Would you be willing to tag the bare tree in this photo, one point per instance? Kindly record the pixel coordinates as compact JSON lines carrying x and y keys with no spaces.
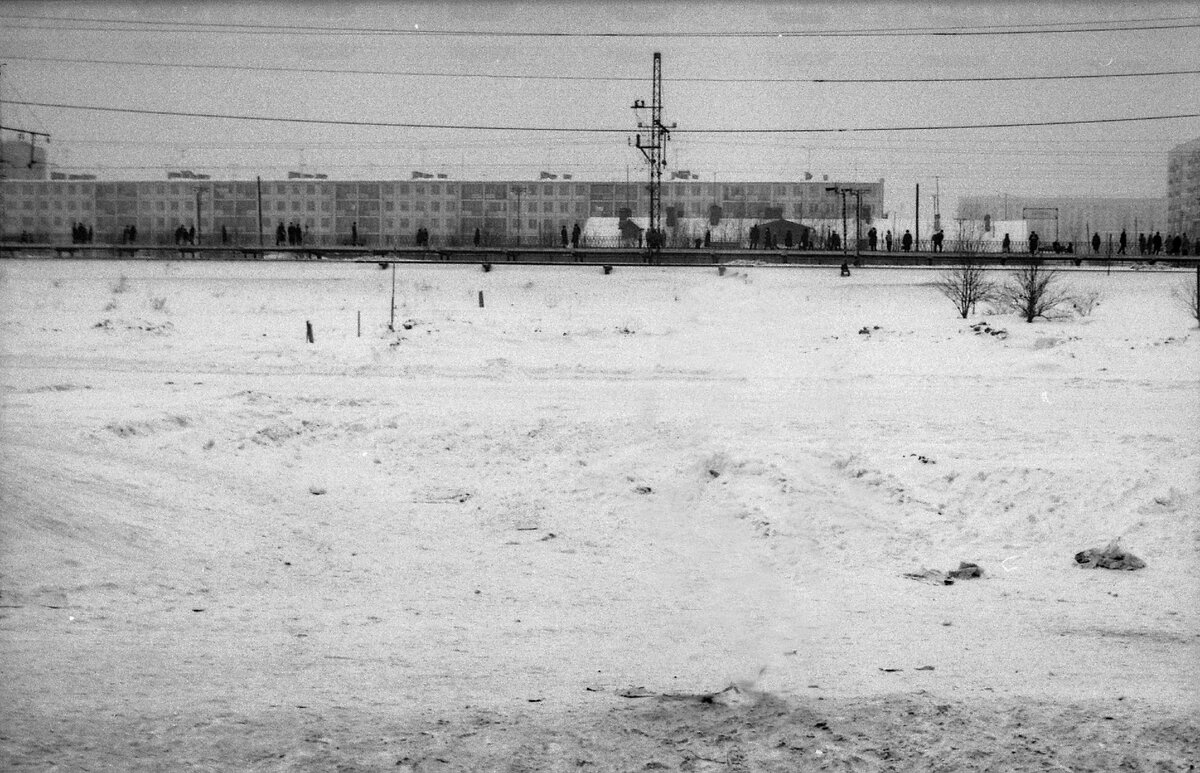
{"x":965,"y":286}
{"x":1187,"y":295}
{"x":1034,"y":291}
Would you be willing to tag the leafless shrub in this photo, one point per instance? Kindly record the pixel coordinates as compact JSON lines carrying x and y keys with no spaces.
{"x":1034,"y":291}
{"x":965,"y":286}
{"x":158,"y":304}
{"x":121,"y":286}
{"x":1086,"y":303}
{"x":1187,"y":297}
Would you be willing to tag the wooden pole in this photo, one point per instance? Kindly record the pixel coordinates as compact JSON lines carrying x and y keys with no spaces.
{"x":360,"y":324}
{"x":308,"y":331}
{"x":260,"y":231}
{"x":917,"y":226}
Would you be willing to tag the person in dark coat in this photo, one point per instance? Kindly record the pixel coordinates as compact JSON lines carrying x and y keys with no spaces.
{"x":280,"y":234}
{"x":478,"y":237}
{"x":872,"y":238}
{"x":576,"y":232}
{"x":787,"y":239}
{"x":1006,"y":245}
{"x":1157,"y":243}
{"x":565,"y":239}
{"x":1095,"y":242}
{"x":1033,"y":242}
{"x":707,"y":237}
{"x":1121,"y":244}
{"x":906,"y":242}
{"x":887,"y":241}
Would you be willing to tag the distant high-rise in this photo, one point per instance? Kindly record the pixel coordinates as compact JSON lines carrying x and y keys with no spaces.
{"x":1183,"y":188}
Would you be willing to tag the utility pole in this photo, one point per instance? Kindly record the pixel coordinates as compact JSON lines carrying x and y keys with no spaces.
{"x":857,"y":194}
{"x":260,"y":231}
{"x":518,"y":189}
{"x":199,"y":191}
{"x":655,"y":151}
{"x":917,"y":226}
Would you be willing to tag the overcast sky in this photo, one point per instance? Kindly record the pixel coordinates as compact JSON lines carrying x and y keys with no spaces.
{"x":421,"y":77}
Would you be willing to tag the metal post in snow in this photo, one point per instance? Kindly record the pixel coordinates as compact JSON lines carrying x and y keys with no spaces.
{"x":392,"y":318}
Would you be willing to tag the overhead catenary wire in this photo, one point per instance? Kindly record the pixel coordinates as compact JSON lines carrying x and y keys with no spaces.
{"x":171,"y":26}
{"x":590,"y":78}
{"x":599,"y":130}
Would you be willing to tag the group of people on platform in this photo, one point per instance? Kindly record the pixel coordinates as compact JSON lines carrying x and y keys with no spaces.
{"x":1174,"y":244}
{"x":81,"y":234}
{"x":576,"y":233}
{"x":293,"y":234}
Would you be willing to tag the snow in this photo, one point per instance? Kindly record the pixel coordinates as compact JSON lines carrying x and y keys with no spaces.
{"x":660,"y":478}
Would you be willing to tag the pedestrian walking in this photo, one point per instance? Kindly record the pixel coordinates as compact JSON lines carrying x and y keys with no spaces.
{"x":1121,"y":243}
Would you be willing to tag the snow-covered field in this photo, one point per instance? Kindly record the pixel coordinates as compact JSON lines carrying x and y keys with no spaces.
{"x":465,"y":545}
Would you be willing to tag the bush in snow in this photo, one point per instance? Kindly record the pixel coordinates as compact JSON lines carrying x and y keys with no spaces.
{"x":1187,"y":296}
{"x":1034,"y":291}
{"x":965,"y":286}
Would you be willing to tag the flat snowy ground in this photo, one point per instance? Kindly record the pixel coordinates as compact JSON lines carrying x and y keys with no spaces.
{"x":465,"y":545}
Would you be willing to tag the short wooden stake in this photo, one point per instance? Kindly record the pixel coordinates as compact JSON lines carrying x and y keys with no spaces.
{"x":360,"y":324}
{"x":308,"y":331}
{"x":481,"y":299}
{"x":608,"y":269}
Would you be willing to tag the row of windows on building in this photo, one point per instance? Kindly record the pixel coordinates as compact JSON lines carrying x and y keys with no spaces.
{"x":631,"y":191}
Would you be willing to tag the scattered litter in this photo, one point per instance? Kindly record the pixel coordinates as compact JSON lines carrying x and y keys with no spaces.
{"x":636,"y":692}
{"x":983,"y":328}
{"x":644,"y":490}
{"x":1112,"y":557}
{"x":891,"y":670}
{"x":965,"y":571}
{"x":924,"y":459}
{"x":925,"y":668}
{"x":316,"y":490}
{"x":549,"y":536}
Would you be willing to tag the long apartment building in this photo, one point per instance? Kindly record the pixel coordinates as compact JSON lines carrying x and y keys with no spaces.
{"x":389,"y":212}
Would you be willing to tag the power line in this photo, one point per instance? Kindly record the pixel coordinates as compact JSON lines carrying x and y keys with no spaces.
{"x":580,"y":130}
{"x":1123,"y":25}
{"x":604,"y":78}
